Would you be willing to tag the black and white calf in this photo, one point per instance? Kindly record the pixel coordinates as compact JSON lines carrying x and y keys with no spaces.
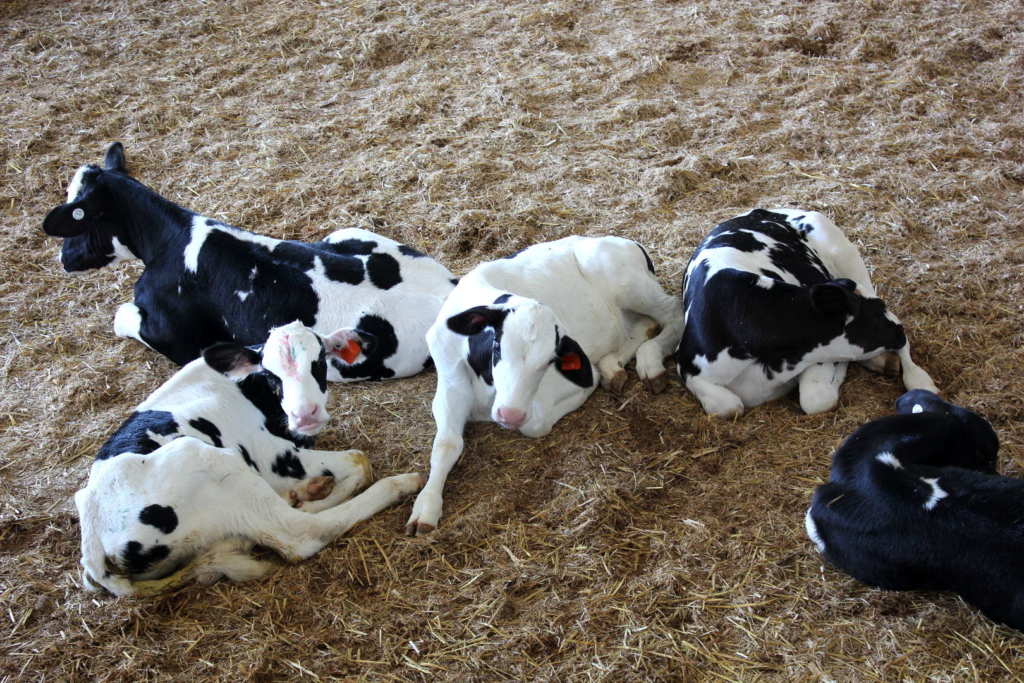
{"x":780,"y":298}
{"x":207,"y":282}
{"x":915,"y":503}
{"x":216,"y":460}
{"x":523,"y":340}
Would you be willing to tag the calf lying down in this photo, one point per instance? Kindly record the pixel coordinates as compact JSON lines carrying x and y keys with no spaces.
{"x":216,"y":461}
{"x":915,"y":503}
{"x":780,"y":298}
{"x":522,"y":341}
{"x":206,"y":281}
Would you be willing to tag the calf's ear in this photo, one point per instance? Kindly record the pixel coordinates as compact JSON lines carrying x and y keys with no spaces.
{"x":114,"y":160}
{"x":348,"y":342}
{"x":233,"y":360}
{"x":474,"y":320}
{"x":834,"y":300}
{"x":69,"y":220}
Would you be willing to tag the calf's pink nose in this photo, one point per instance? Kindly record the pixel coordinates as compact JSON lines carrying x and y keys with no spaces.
{"x":510,"y":418}
{"x":307,"y":416}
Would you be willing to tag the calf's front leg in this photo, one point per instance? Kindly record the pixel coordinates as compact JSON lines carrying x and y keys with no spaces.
{"x":819,"y":386}
{"x":451,"y":412}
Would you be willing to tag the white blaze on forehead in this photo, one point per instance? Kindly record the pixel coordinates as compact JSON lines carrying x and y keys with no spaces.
{"x":917,"y":408}
{"x":76,"y":184}
{"x":936,"y":495}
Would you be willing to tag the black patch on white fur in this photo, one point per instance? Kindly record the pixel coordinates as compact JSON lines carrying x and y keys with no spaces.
{"x":287,"y":464}
{"x":136,"y":561}
{"x":133,"y":435}
{"x":201,"y":424}
{"x":163,"y":517}
{"x":383,"y":270}
{"x":409,"y":251}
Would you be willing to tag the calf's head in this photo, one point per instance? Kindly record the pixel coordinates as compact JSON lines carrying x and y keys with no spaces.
{"x":293,"y":363}
{"x":980,"y":443}
{"x":513,"y":343}
{"x":93,"y":222}
{"x":864,"y":318}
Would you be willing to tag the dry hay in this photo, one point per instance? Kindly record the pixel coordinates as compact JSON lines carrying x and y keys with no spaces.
{"x":640,"y":540}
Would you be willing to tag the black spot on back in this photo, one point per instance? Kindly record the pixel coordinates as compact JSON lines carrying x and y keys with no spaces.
{"x":502,"y":299}
{"x":204,"y":426}
{"x":409,"y":251}
{"x":351,"y":247}
{"x":163,"y":517}
{"x":453,"y":280}
{"x":383,"y":270}
{"x":136,"y":561}
{"x":133,"y":435}
{"x":247,"y":458}
{"x":287,"y":464}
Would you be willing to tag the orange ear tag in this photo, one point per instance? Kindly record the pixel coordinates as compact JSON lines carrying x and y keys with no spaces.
{"x":570,"y":361}
{"x":350,"y":352}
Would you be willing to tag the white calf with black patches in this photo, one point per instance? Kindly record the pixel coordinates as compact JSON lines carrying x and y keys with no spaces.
{"x":522,"y":341}
{"x":779,"y":299}
{"x":207,"y":282}
{"x":218,"y":459}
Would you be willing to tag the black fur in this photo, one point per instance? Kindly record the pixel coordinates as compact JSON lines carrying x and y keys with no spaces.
{"x":873,"y":519}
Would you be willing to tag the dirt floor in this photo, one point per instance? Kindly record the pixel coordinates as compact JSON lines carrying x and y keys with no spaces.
{"x":639,"y":541}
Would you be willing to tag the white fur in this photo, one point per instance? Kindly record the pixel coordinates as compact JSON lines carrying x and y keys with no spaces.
{"x":596,"y":290}
{"x":937,"y":493}
{"x":889,"y":459}
{"x":127,"y":322}
{"x":812,"y":531}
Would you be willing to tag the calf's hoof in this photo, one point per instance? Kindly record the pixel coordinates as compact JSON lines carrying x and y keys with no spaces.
{"x":314,"y":488}
{"x":657,"y":384}
{"x":617,"y":383}
{"x":887,"y":363}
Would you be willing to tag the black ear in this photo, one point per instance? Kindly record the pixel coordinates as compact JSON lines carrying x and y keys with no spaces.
{"x":233,"y":360}
{"x":573,"y":363}
{"x":474,"y":320}
{"x":114,"y":160}
{"x":834,"y":300}
{"x":69,"y":220}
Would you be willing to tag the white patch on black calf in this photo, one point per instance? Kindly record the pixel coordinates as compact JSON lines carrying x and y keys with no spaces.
{"x":936,"y":495}
{"x":888,"y":458}
{"x":917,"y":408}
{"x":812,"y":532}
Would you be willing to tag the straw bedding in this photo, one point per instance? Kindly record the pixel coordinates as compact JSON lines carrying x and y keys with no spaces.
{"x":641,"y":540}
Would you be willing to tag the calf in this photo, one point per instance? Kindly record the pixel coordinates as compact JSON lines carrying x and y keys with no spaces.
{"x":776,"y":299}
{"x":207,"y":282}
{"x":522,"y":341}
{"x":915,"y":503}
{"x":216,"y":460}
